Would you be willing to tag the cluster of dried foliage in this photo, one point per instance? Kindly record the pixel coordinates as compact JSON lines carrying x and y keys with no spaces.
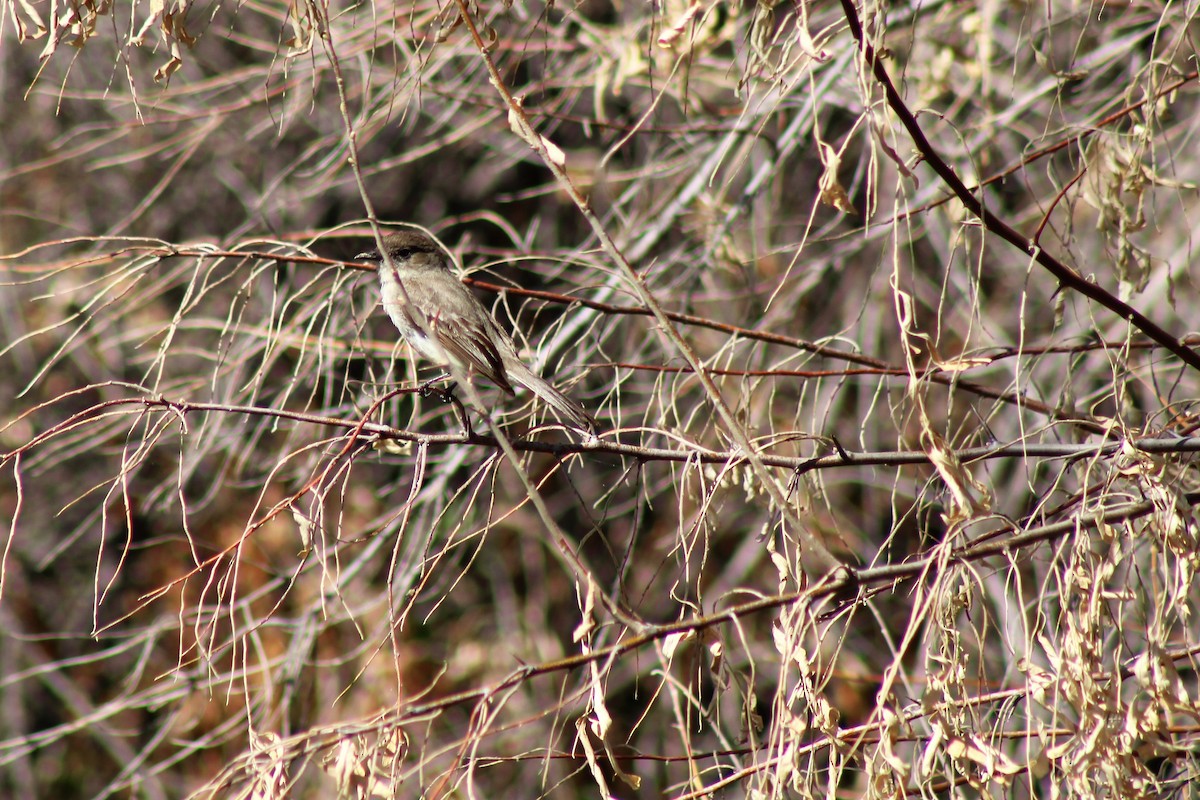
{"x":884,"y":310}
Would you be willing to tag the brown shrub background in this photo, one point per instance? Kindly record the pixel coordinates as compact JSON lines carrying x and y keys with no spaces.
{"x":215,"y":583}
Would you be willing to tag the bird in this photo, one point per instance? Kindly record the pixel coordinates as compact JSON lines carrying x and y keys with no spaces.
{"x":445,"y":323}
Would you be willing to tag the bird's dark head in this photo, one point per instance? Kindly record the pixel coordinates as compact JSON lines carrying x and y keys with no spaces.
{"x":408,"y":250}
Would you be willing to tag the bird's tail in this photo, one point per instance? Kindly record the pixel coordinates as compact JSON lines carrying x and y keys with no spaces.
{"x":570,"y":411}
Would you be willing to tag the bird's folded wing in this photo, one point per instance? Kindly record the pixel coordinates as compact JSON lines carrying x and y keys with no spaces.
{"x":471,"y":347}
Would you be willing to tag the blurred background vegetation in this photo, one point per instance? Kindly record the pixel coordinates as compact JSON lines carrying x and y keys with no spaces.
{"x":238,"y":562}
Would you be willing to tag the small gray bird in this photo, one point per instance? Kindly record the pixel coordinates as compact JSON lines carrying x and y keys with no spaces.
{"x":464,"y":332}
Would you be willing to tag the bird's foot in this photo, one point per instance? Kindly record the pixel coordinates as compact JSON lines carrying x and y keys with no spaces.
{"x":446,"y":394}
{"x":427,"y":389}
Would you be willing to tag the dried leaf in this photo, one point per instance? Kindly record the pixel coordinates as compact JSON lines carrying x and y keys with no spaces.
{"x":672,"y":642}
{"x":890,"y":152}
{"x":588,"y":622}
{"x":996,"y":766}
{"x":671,"y":34}
{"x":361,"y":768}
{"x":305,"y":524}
{"x":168,"y":69}
{"x":304,"y":31}
{"x":556,"y":155}
{"x":832,"y":192}
{"x":31,"y":27}
{"x":962,"y":364}
{"x":962,"y":484}
{"x":589,"y":754}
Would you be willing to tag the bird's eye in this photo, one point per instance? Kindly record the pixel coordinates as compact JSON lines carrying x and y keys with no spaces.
{"x":403,"y":252}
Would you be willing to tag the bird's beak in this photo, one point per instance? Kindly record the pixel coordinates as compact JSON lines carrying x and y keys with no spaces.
{"x":369,"y":256}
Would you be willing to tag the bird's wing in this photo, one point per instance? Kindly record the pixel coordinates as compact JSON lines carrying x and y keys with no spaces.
{"x":469,"y":345}
{"x":461,"y":335}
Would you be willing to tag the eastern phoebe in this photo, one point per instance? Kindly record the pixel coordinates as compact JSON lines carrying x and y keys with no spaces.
{"x":450,"y":324}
